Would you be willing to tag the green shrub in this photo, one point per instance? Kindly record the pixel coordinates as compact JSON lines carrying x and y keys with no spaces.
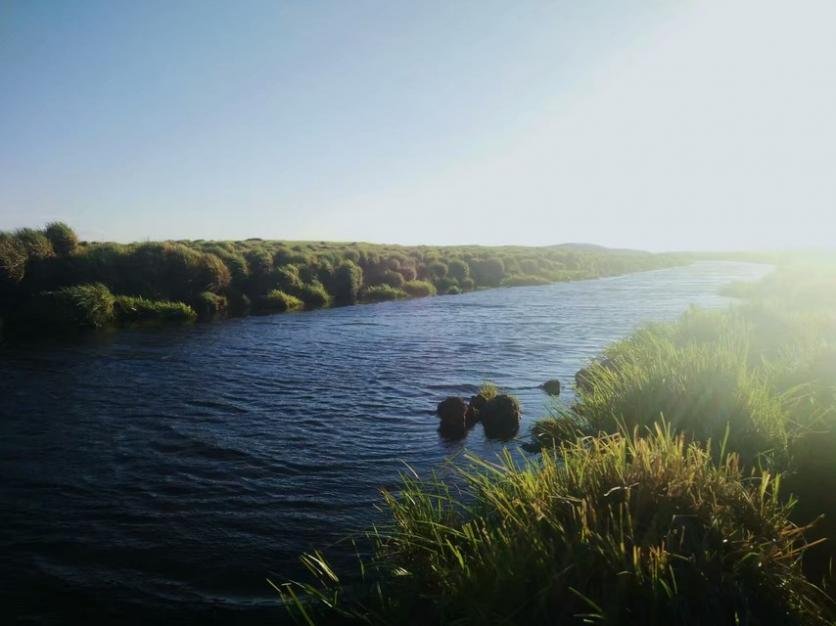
{"x":437,"y":270}
{"x":348,"y":280}
{"x":36,"y":243}
{"x":381,"y":293}
{"x":287,"y":278}
{"x":467,"y":284}
{"x":63,"y":239}
{"x":458,"y":269}
{"x":238,"y":271}
{"x":313,"y":295}
{"x":453,"y":291}
{"x":443,"y":285}
{"x":488,"y":272}
{"x":210,"y":305}
{"x":279,"y":301}
{"x":392,"y":278}
{"x":611,"y":530}
{"x":408,"y":273}
{"x":80,"y":306}
{"x":261,"y":277}
{"x":130,"y":309}
{"x":419,"y":288}
{"x":521,"y":280}
{"x":12,"y":260}
{"x":239,"y":303}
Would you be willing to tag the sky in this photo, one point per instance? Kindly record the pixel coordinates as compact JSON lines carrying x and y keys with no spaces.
{"x":661,"y":125}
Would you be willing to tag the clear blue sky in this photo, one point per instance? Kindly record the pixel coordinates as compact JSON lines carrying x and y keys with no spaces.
{"x":654,"y":124}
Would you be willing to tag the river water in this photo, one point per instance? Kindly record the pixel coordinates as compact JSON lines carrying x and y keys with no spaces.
{"x":162,"y":475}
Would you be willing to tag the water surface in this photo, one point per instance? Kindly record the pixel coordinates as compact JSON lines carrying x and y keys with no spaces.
{"x":163,"y":475}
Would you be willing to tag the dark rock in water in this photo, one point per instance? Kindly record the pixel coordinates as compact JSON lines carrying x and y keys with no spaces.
{"x":474,"y":409}
{"x":452,"y":413}
{"x":501,"y":417}
{"x":551,"y":387}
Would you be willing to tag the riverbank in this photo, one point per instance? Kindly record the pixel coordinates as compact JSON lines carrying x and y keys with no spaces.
{"x":52,"y":282}
{"x":684,"y":485}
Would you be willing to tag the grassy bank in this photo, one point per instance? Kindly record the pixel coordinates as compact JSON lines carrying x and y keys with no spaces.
{"x":185,"y":280}
{"x":693,"y":481}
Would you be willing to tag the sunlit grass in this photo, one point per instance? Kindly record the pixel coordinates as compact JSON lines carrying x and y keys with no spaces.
{"x":611,"y":529}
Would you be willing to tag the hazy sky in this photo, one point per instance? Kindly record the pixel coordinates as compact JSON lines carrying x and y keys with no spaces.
{"x":665,"y":124}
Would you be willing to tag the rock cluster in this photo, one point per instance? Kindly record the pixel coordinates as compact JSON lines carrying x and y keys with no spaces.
{"x":500,"y":415}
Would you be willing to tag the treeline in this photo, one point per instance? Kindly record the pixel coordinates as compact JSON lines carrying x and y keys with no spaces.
{"x":692,"y":481}
{"x":49,"y":279}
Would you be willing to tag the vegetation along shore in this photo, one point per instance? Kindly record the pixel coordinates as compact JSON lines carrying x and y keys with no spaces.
{"x":51,"y":281}
{"x":691,"y":481}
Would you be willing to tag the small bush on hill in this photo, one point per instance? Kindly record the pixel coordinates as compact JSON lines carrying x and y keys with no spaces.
{"x":279,"y":301}
{"x":313,"y":295}
{"x":348,"y":280}
{"x":521,"y":280}
{"x":381,"y":293}
{"x":12,"y":260}
{"x":210,"y":305}
{"x":419,"y":288}
{"x":443,"y":285}
{"x":63,"y":239}
{"x":36,"y":243}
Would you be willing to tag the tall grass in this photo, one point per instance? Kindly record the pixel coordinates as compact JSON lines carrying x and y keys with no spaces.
{"x":131,"y":310}
{"x":618,"y":529}
{"x":761,"y":378}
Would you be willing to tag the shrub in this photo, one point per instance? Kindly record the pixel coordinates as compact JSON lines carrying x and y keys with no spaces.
{"x":261,"y":278}
{"x":210,"y":305}
{"x":239,"y":302}
{"x":80,"y":306}
{"x":237,"y":266}
{"x":419,"y":288}
{"x":348,"y":280}
{"x":12,"y":260}
{"x":130,"y":309}
{"x":279,"y":301}
{"x":453,"y":291}
{"x":458,"y":269}
{"x":287,"y":278}
{"x":313,"y":295}
{"x":63,"y":239}
{"x":467,"y":284}
{"x":408,"y":273}
{"x":488,"y":272}
{"x":443,"y":285}
{"x":213,"y":274}
{"x":381,"y":293}
{"x":36,"y":243}
{"x":521,"y":280}
{"x":613,"y":530}
{"x":392,"y":278}
{"x":437,"y":269}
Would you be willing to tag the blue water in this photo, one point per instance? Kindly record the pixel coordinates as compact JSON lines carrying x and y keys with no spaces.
{"x":162,"y":476}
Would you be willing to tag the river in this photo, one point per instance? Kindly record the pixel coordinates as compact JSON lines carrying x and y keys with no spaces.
{"x":162,"y":475}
